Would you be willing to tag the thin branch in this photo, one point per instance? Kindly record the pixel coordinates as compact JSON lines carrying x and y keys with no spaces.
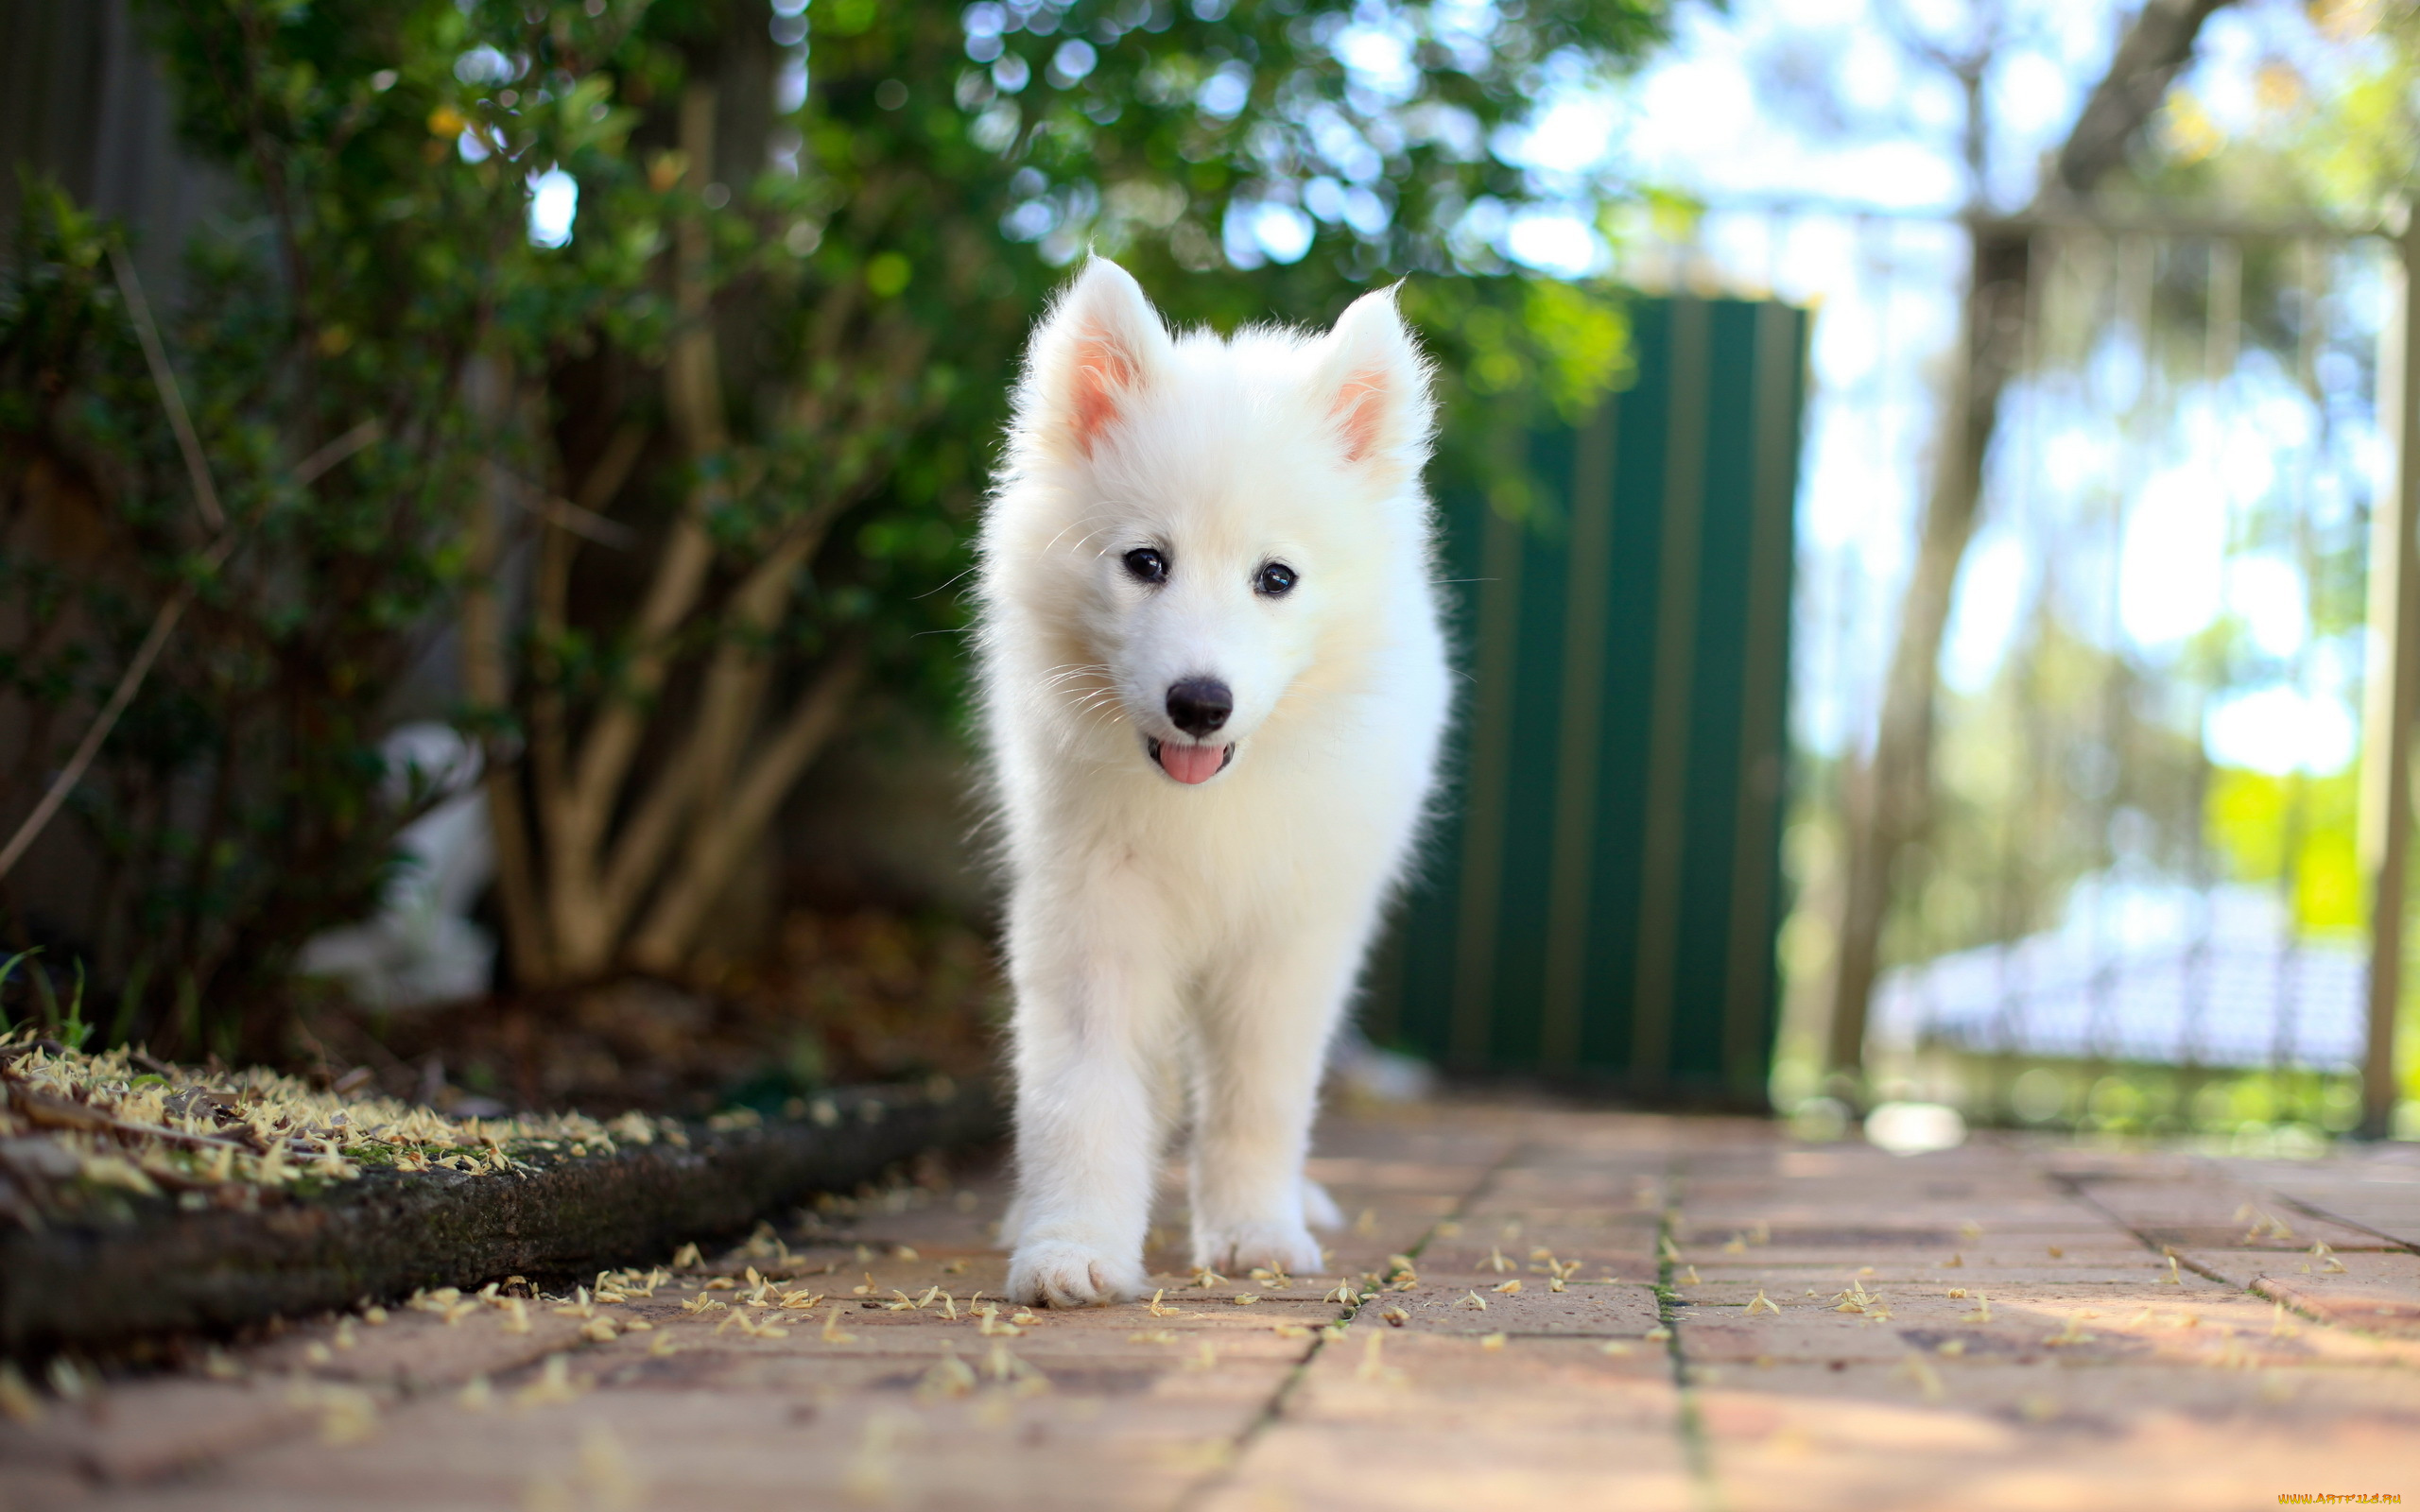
{"x":205,"y":493}
{"x":486,"y":680}
{"x":556,"y":549}
{"x":727,"y":708}
{"x":325,"y":461}
{"x":565,"y":515}
{"x":129,"y":683}
{"x":723,"y":837}
{"x":613,"y":469}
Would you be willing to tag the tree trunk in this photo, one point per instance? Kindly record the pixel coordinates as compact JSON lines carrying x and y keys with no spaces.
{"x":1889,"y":797}
{"x":739,"y":812}
{"x":611,"y":852}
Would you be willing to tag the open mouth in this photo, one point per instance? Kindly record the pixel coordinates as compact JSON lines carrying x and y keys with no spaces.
{"x":1191,"y":763}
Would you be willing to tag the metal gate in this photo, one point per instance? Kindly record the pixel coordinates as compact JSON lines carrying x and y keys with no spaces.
{"x":1598,"y":903}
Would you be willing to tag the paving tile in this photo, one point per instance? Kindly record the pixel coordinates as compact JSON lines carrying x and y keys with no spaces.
{"x":2093,"y":1381}
{"x":2213,"y":1327}
{"x":286,"y":1388}
{"x":1375,"y":1175}
{"x":681,"y":1448}
{"x":2389,"y":1212}
{"x":2194,"y":1198}
{"x":1365,"y":1468}
{"x":143,"y":1429}
{"x":1498,"y":1263}
{"x":418,"y":1351}
{"x":1735,"y":1283}
{"x":1598,"y":1312}
{"x":38,"y":1488}
{"x":2018,"y":1320}
{"x":2378,"y":1293}
{"x":1995,"y":1435}
{"x":2277,"y":1227}
{"x":1831,"y":1220}
{"x":2244,"y":1266}
{"x":1438,"y":1423}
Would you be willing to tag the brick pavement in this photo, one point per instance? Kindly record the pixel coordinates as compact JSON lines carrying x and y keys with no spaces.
{"x":1743,"y":1323}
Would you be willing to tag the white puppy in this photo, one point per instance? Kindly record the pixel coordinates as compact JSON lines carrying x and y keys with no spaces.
{"x":1213,"y":688}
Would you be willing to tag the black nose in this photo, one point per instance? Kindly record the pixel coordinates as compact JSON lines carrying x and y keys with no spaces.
{"x":1200,"y":705}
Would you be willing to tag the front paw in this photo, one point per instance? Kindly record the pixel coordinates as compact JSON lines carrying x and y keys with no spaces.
{"x":1063,"y":1273}
{"x":1236,"y":1248}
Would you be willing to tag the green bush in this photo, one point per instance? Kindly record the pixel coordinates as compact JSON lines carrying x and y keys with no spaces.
{"x":688,"y":480}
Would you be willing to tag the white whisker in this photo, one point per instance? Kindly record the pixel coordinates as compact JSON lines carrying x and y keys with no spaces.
{"x":1072,"y":525}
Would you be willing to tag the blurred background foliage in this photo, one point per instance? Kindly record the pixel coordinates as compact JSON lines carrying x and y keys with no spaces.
{"x":619,"y":380}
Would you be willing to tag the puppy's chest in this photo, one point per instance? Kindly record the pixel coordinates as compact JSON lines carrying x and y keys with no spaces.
{"x":1252,"y":845}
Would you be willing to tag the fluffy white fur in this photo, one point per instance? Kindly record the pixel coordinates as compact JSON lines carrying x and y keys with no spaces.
{"x":1187,"y":948}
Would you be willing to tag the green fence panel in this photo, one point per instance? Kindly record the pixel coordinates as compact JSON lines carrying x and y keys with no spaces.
{"x":1600,"y":900}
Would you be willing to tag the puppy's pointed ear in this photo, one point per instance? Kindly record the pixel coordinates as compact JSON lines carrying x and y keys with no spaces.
{"x":1099,"y":348}
{"x":1373,"y":383}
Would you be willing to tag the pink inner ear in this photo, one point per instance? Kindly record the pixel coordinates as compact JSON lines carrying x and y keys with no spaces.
{"x":1103,"y":374}
{"x":1361,"y":408}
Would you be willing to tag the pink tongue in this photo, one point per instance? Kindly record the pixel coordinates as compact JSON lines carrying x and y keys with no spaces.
{"x":1192,"y":764}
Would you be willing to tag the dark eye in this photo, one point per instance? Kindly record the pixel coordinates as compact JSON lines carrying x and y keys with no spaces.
{"x":1276,"y":580}
{"x":1146,"y":565}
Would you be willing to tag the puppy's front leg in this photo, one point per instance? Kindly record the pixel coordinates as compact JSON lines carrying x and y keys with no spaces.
{"x":1264,"y":1036}
{"x":1091,"y":1007}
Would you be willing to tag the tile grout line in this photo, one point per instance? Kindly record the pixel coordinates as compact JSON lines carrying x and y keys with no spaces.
{"x":1695,"y":1450}
{"x":2312,"y":1210}
{"x":2075,"y":1191}
{"x":2307,"y":1209}
{"x":1274,"y":1408}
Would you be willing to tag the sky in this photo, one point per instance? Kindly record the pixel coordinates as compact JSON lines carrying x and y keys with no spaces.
{"x":1828,"y":155}
{"x":1826,"y":149}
